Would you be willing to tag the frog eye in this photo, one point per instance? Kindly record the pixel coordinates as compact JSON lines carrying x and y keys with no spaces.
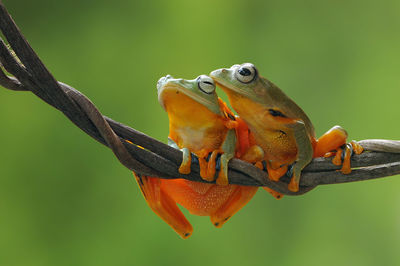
{"x":206,"y":84}
{"x":246,"y":73}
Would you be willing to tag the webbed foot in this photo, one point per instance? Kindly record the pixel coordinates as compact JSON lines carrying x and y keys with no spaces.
{"x":163,"y":205}
{"x":276,"y":173}
{"x":343,"y":156}
{"x":235,"y":202}
{"x":294,"y":185}
{"x":263,"y":166}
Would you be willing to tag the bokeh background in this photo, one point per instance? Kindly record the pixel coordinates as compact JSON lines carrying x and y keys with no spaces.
{"x":65,"y":199}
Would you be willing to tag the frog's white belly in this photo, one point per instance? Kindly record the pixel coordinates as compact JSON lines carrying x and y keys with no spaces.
{"x":193,"y":138}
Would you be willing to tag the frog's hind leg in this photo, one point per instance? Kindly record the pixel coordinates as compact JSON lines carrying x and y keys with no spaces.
{"x":335,"y":139}
{"x":163,"y":205}
{"x":239,"y":197}
{"x":263,"y":166}
{"x":331,"y":140}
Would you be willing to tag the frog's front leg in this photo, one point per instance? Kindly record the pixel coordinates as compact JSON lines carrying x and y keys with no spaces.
{"x":163,"y":205}
{"x":228,"y":149}
{"x":304,"y":152}
{"x":184,"y":168}
{"x":207,"y":169}
{"x":186,"y":161}
{"x":212,"y":164}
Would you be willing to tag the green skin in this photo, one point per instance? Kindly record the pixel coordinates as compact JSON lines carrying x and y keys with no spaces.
{"x":269,"y":96}
{"x":191,"y":89}
{"x":210,"y":100}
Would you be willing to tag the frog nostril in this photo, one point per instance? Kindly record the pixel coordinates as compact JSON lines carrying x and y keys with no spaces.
{"x":160,"y":82}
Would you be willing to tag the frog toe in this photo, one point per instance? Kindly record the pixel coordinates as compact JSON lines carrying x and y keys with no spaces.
{"x":357,"y":148}
{"x":276,"y":174}
{"x":351,"y":148}
{"x":294,"y":171}
{"x":239,"y":198}
{"x":254,"y":154}
{"x":211,"y":166}
{"x":222,"y":165}
{"x":293,"y":185}
{"x":222,"y":178}
{"x":346,"y":154}
{"x":274,"y":193}
{"x":184,"y":168}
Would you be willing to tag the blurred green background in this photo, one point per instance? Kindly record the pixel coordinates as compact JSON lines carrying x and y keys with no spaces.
{"x":65,"y":199}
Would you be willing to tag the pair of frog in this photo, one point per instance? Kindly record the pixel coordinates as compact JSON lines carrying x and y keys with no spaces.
{"x":271,"y":131}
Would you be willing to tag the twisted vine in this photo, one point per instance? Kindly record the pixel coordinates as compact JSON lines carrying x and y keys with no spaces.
{"x":147,"y":156}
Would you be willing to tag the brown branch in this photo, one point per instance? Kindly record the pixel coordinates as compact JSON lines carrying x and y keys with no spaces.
{"x":157,"y":158}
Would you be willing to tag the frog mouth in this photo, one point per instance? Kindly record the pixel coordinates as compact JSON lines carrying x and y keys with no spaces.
{"x":178,"y":86}
{"x":218,"y":77}
{"x":228,"y":88}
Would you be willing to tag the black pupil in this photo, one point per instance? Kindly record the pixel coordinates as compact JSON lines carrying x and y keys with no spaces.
{"x":276,"y":113}
{"x":200,"y":82}
{"x":244,"y":71}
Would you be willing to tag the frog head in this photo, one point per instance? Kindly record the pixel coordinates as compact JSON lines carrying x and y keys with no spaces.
{"x":252,"y":95}
{"x":182,"y":94}
{"x":243,"y":80}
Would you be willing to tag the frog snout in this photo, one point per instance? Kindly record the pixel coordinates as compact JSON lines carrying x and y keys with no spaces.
{"x":162,"y":81}
{"x":217,"y":73}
